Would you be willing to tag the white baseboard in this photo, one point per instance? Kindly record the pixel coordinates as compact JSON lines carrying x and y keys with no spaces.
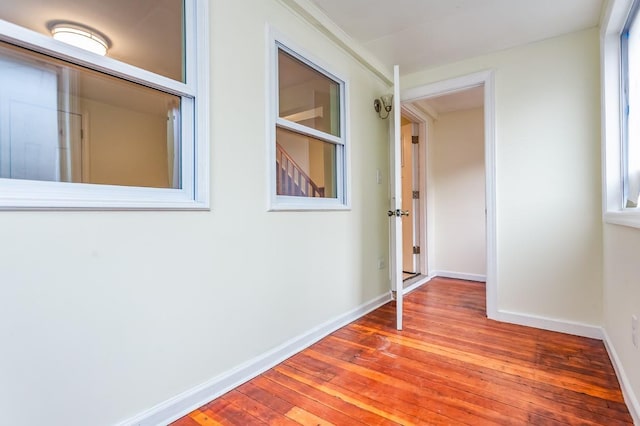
{"x":627,"y":391}
{"x":551,"y":324}
{"x":182,"y":404}
{"x":461,"y":276}
{"x":583,"y":330}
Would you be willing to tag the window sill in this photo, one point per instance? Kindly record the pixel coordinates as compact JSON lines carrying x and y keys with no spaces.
{"x":630,"y":218}
{"x":18,"y":194}
{"x":306,"y":204}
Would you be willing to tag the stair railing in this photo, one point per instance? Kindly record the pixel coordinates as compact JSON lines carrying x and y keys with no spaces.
{"x":291,"y":178}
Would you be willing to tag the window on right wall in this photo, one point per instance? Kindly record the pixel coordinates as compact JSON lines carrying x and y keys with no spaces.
{"x":630,"y":73}
{"x":620,"y":83}
{"x":309,"y":162}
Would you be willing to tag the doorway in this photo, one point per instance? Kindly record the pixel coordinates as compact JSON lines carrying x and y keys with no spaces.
{"x":410,"y":175}
{"x":426,"y":115}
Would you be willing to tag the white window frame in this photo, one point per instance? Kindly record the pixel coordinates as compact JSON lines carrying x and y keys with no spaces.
{"x":613,"y":162}
{"x":16,"y":194}
{"x":277,"y":202}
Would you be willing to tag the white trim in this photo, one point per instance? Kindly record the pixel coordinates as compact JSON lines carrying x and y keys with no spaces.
{"x":461,"y":276}
{"x":630,"y":398}
{"x":550,"y":324}
{"x":182,"y":404}
{"x":453,"y":85}
{"x":395,"y":180}
{"x":288,"y":203}
{"x":319,"y":20}
{"x":624,"y":218}
{"x":309,"y":131}
{"x":202,"y":192}
{"x":277,"y":41}
{"x":490,"y":193}
{"x":425,"y":187}
{"x":23,"y":37}
{"x":610,"y":62}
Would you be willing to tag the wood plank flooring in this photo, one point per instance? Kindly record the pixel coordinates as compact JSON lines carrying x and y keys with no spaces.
{"x":449,"y":366}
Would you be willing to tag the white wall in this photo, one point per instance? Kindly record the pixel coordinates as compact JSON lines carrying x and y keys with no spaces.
{"x":549,"y":232}
{"x":106,"y":314}
{"x":459,"y":191}
{"x":622,"y":299}
{"x":621,"y":284}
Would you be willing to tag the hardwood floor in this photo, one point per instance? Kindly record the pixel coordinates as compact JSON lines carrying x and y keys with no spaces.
{"x":450,"y":365}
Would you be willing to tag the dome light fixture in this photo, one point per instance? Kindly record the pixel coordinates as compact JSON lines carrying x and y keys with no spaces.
{"x":80,"y":36}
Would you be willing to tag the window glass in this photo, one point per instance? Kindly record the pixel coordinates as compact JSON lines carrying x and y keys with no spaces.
{"x":305,"y":166}
{"x":309,"y":141}
{"x":631,"y":131}
{"x":307,"y":96}
{"x":128,"y":130}
{"x":61,"y":122}
{"x":147,"y":34}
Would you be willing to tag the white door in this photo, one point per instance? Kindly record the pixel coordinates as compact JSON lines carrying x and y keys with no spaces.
{"x":395,"y":208}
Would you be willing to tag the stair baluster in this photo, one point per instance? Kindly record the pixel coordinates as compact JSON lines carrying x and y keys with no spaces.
{"x":291,"y":178}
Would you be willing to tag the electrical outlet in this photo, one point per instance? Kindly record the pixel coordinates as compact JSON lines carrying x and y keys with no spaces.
{"x":381,"y":264}
{"x":634,"y":330}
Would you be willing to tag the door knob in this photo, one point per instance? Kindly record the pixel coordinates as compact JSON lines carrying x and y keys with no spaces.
{"x":398,"y":213}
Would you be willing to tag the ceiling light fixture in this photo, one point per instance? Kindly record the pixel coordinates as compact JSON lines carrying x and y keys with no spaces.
{"x":80,"y":36}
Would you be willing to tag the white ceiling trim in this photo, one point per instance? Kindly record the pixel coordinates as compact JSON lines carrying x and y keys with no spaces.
{"x":318,"y":19}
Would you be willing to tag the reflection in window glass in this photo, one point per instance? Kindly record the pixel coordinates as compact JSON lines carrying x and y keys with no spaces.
{"x":306,"y":96}
{"x":305,"y":166}
{"x":61,"y":122}
{"x":147,"y":34}
{"x":631,"y":59}
{"x":310,"y":144}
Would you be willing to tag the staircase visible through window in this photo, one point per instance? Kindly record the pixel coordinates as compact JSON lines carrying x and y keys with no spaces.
{"x":291,"y":178}
{"x":309,"y":142}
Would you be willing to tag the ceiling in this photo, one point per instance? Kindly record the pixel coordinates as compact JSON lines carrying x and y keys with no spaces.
{"x":415,"y":34}
{"x":418,"y":34}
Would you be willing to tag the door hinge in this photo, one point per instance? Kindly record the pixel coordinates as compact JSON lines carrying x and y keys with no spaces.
{"x":416,"y":195}
{"x":415,"y":139}
{"x":416,"y":249}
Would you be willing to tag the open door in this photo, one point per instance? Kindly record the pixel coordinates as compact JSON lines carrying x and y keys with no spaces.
{"x":395,"y":208}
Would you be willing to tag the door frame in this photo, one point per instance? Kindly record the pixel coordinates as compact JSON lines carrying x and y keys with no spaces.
{"x":425,"y":226}
{"x":487,"y":79}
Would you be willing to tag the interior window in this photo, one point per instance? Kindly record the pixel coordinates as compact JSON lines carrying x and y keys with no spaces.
{"x":103,"y":94}
{"x":157,"y":27}
{"x":68,"y":124}
{"x":630,"y":42}
{"x":310,"y":143}
{"x":306,"y":165}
